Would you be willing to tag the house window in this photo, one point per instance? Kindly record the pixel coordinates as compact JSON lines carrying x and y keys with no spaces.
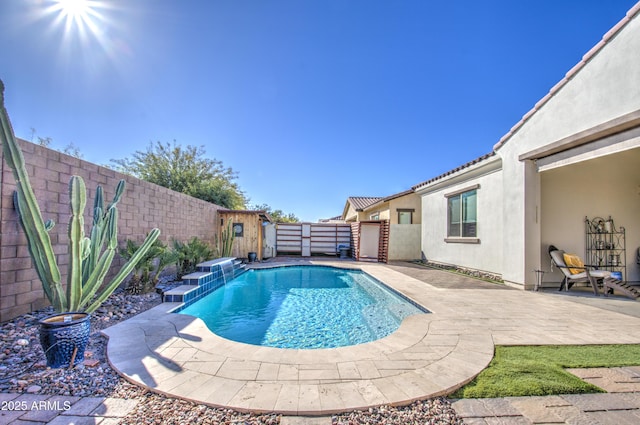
{"x":461,"y":214}
{"x":405,"y":216}
{"x":238,"y":229}
{"x":375,"y":216}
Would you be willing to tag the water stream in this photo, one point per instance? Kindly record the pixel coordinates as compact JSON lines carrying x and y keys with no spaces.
{"x":228,"y":272}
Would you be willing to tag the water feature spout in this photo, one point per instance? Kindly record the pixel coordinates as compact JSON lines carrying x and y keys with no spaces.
{"x":226,"y":265}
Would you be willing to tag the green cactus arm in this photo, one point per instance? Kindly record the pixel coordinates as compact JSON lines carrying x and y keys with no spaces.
{"x":38,"y":238}
{"x":30,"y":215}
{"x":95,"y":234}
{"x":119,"y":191}
{"x":96,"y":278}
{"x":112,"y":229}
{"x":98,"y":204}
{"x":94,"y":249}
{"x":125,"y":270}
{"x":50,"y":277}
{"x":77,"y":202}
{"x":99,"y":268}
{"x":99,"y":229}
{"x":86,"y":248}
{"x":52,"y":290}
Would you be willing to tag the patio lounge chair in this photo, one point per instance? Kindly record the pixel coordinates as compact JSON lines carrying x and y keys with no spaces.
{"x":575,"y":271}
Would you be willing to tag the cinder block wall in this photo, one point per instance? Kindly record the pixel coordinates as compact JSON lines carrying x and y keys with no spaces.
{"x":143,"y":206}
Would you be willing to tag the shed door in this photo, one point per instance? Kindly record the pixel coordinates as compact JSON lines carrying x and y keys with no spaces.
{"x":369,"y":240}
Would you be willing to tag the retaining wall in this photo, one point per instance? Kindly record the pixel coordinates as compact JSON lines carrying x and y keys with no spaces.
{"x":142,"y":207}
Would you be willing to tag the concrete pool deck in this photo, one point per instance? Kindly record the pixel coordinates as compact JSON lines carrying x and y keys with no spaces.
{"x":429,"y":355}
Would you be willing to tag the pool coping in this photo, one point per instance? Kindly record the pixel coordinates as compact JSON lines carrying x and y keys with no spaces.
{"x":429,"y":355}
{"x":180,"y":357}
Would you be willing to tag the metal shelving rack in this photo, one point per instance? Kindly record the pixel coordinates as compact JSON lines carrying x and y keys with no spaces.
{"x":605,"y":245}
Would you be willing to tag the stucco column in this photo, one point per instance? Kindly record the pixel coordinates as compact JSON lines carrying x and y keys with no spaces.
{"x":521,"y":238}
{"x":532,"y":248}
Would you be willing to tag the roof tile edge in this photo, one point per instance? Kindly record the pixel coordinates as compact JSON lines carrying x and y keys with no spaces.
{"x":585,"y":59}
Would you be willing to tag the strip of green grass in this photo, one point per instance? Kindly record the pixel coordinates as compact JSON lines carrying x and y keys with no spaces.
{"x":539,"y":370}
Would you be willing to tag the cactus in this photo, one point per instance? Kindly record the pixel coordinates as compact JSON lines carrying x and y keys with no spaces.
{"x":89,"y":259}
{"x":225,"y":244}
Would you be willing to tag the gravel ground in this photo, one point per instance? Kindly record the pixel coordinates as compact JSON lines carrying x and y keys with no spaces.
{"x":23,"y":370}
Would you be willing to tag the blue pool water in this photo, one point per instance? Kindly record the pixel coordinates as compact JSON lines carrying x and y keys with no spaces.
{"x":302,"y":307}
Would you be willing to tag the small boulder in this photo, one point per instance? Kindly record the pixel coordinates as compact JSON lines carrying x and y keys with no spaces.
{"x":34,"y":389}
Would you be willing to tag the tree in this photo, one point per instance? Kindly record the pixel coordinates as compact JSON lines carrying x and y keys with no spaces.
{"x":277,"y":215}
{"x":70,"y":149}
{"x":186,"y":170}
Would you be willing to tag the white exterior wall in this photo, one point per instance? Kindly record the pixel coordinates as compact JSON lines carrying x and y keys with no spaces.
{"x":485,"y":256}
{"x":606,"y":88}
{"x":404,"y":241}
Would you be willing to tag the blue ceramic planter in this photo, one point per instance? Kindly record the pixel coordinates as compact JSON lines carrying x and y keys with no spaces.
{"x":64,"y":338}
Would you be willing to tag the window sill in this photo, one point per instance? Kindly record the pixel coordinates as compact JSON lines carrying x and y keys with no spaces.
{"x":462,"y":240}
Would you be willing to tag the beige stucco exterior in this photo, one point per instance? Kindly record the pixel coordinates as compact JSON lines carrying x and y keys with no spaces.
{"x":575,"y":154}
{"x":352,"y":214}
{"x":389,"y":209}
{"x":404,"y":239}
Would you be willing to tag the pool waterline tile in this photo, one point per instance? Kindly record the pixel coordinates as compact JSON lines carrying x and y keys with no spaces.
{"x":281,"y":317}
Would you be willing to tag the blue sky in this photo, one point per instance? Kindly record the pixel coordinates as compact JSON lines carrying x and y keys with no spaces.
{"x":309,"y":101}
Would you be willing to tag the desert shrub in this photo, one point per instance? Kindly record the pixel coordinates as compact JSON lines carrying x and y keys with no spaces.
{"x":189,"y":254}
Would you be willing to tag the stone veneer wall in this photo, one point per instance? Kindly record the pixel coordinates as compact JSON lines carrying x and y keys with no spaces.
{"x":142,"y":207}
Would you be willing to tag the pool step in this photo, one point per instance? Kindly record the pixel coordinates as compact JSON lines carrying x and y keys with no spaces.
{"x":179,"y":294}
{"x":397,"y":312}
{"x":210,"y":275}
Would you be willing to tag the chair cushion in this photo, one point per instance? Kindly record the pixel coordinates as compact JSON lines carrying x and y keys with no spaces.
{"x":558,"y":257}
{"x":574,"y":263}
{"x":600,"y":273}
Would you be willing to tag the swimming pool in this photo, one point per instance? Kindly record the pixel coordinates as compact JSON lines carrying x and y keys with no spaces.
{"x":303,"y":307}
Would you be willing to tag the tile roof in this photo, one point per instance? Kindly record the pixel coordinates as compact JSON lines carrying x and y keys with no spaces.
{"x":455,"y":170}
{"x":390,"y":197}
{"x":361,"y":202}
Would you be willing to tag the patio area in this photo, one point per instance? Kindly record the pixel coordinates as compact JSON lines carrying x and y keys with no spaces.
{"x":429,"y":355}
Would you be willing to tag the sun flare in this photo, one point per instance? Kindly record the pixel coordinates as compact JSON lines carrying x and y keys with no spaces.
{"x":77,"y":15}
{"x":74,"y":9}
{"x":86,"y":30}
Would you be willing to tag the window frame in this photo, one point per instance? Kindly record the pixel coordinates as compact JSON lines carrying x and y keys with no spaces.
{"x":406,"y":210}
{"x":237,"y":234}
{"x":459,"y":238}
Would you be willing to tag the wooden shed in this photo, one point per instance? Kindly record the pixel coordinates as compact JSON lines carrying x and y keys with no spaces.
{"x":248,"y":229}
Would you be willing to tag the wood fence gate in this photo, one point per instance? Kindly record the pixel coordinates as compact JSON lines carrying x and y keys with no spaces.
{"x":370,"y":240}
{"x":306,"y":239}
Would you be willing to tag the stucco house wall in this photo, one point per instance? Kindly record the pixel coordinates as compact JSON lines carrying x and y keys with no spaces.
{"x":600,"y":90}
{"x":485,"y":255}
{"x":380,"y":211}
{"x":404,"y":241}
{"x":575,"y":154}
{"x":407,"y":202}
{"x":353,"y":215}
{"x":388,"y":210}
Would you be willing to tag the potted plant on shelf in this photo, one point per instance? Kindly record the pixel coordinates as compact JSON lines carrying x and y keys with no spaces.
{"x":65,"y":334}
